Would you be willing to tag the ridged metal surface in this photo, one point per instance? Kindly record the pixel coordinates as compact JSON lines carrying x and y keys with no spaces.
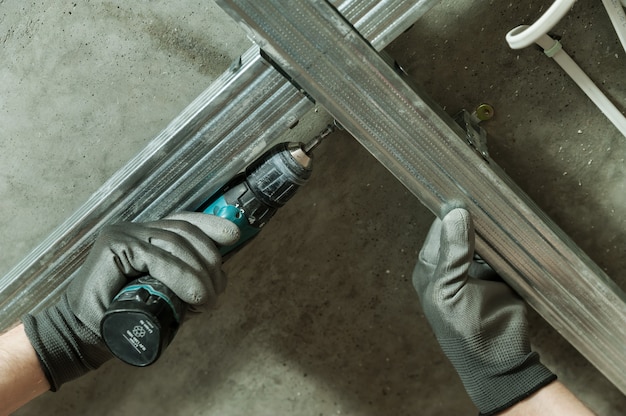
{"x":217,"y":135}
{"x":380,"y":22}
{"x":223,"y":130}
{"x":424,"y":150}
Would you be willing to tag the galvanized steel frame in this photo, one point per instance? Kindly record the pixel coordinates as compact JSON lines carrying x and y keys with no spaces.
{"x":228,"y":126}
{"x":250,"y":105}
{"x":423,"y":148}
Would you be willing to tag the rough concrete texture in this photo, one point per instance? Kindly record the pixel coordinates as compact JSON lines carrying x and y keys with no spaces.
{"x":320,"y":316}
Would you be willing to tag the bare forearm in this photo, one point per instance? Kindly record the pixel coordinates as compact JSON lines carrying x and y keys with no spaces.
{"x":553,"y":399}
{"x":21,"y":376}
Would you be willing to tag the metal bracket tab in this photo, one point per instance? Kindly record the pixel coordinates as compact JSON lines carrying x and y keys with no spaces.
{"x":476,"y":136}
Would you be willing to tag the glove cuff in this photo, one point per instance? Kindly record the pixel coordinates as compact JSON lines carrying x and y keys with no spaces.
{"x":66,"y":348}
{"x":502,"y":391}
{"x":540,"y":384}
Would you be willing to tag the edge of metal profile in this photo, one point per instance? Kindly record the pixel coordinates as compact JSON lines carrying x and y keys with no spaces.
{"x":230,"y":124}
{"x":423,"y":149}
{"x":217,"y":135}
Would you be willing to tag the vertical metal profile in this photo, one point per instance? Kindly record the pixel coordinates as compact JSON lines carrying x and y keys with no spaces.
{"x":425,"y":151}
{"x":218,"y":134}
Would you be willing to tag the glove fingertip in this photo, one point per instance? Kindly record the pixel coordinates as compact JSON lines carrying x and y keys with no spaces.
{"x":229,"y":233}
{"x":190,"y":290}
{"x":450,"y":206}
{"x":457,"y":228}
{"x":220,"y":230}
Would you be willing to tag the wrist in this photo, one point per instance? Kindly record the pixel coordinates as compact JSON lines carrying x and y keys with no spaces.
{"x":66,"y":348}
{"x":21,"y":375}
{"x":513,"y":389}
{"x":552,"y":399}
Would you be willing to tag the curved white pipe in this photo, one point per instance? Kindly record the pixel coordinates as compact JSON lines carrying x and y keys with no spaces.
{"x":553,"y":49}
{"x":524,"y":36}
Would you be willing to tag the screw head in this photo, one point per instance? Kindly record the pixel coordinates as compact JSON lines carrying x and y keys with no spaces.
{"x":484,"y":112}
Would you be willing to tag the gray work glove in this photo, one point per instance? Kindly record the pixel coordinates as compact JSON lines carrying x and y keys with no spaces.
{"x":180,"y":251}
{"x":478,"y":320}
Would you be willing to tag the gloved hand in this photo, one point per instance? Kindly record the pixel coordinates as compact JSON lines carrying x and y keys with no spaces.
{"x":478,"y":320}
{"x":179,"y":251}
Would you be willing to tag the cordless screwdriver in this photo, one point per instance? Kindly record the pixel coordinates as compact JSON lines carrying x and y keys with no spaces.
{"x":145,"y":315}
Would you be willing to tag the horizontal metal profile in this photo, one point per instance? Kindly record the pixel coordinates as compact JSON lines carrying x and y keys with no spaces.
{"x":217,"y":135}
{"x":425,"y":150}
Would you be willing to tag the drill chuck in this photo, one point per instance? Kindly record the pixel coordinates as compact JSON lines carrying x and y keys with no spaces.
{"x":273,"y":180}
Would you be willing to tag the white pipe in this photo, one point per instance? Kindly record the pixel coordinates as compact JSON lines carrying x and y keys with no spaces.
{"x":524,"y":36}
{"x":553,"y":49}
{"x":618,"y":18}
